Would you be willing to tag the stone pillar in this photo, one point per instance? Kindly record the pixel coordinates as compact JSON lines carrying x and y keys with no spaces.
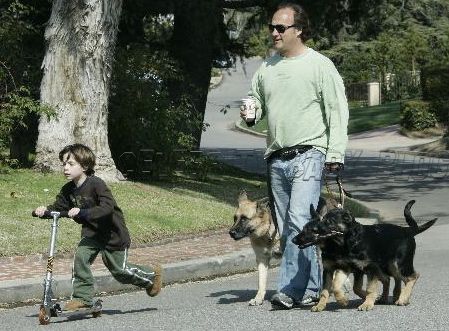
{"x":373,"y":94}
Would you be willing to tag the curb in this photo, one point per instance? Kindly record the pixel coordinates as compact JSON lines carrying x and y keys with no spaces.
{"x":246,"y":130}
{"x":440,"y":154}
{"x":31,"y":290}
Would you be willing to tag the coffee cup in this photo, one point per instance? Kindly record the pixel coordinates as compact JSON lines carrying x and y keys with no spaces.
{"x":249,"y":105}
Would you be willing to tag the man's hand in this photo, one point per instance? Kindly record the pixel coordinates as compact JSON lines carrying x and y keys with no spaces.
{"x":243,"y":113}
{"x":334,"y":167}
{"x":249,"y":122}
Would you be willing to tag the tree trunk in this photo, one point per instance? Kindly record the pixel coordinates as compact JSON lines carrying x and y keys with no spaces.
{"x":81,"y":36}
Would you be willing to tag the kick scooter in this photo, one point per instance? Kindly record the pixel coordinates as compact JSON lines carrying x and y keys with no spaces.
{"x":50,"y":307}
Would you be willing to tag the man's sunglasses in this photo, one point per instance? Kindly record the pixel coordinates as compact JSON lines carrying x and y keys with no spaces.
{"x":279,"y":27}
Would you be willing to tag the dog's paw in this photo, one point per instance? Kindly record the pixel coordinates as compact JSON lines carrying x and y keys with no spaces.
{"x":255,"y":302}
{"x":401,"y":302}
{"x":365,"y":306}
{"x":382,"y":301}
{"x":319,"y":307}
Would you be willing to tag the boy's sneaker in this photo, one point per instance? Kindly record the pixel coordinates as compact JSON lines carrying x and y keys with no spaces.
{"x":74,"y":305}
{"x":282,"y":301}
{"x":308,"y":299}
{"x":155,"y":288}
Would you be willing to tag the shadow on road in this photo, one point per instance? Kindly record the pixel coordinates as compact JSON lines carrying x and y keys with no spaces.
{"x":387,"y":175}
{"x":235,"y":296}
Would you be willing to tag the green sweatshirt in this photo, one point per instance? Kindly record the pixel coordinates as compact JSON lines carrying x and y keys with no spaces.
{"x":304,"y":99}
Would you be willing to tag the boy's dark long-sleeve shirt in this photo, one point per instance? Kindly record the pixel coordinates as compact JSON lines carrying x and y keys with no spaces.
{"x":99,"y":215}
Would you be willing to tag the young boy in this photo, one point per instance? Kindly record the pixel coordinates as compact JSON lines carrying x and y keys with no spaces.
{"x":90,"y":203}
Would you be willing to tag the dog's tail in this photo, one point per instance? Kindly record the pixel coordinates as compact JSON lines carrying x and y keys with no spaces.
{"x":412,"y":222}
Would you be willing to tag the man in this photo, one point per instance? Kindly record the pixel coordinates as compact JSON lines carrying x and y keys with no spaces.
{"x":303,"y":97}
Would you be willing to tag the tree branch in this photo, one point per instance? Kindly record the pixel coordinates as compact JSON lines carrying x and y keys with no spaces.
{"x":10,"y":75}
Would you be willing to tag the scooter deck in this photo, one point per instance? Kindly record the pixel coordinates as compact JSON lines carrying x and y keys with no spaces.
{"x":95,"y":310}
{"x":44,"y":316}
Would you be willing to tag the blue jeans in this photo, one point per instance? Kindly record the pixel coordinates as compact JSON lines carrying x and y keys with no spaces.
{"x":296,"y":184}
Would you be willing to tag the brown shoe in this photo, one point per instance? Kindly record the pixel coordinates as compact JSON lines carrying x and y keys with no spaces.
{"x":155,"y":288}
{"x":74,"y":305}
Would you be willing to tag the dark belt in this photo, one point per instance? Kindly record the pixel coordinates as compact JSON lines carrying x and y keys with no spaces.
{"x":289,"y":153}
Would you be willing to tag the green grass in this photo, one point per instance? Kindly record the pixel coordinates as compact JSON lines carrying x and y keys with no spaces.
{"x":152,"y":210}
{"x":360,"y":118}
{"x":368,"y":118}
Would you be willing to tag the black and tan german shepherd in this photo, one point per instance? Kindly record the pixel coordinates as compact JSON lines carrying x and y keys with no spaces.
{"x":253,"y":219}
{"x":380,"y":251}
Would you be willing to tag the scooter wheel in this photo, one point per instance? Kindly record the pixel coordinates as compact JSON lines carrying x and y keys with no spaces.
{"x":44,"y":319}
{"x":96,"y":314}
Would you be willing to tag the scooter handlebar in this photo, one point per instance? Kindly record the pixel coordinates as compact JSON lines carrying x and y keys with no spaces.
{"x":47,"y":214}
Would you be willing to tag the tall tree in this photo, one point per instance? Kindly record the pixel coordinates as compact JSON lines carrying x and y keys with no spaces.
{"x":81,"y":37}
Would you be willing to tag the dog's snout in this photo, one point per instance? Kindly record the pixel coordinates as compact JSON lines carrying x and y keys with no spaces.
{"x":232,"y":233}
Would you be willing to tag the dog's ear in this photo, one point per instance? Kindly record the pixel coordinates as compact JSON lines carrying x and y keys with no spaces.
{"x":262,"y":204}
{"x":315,"y":216}
{"x":242,"y":196}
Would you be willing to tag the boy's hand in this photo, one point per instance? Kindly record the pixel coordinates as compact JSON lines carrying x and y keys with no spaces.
{"x":73,"y":212}
{"x":39,"y":211}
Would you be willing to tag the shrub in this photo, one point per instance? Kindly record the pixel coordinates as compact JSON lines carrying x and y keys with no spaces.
{"x":258,"y":44}
{"x":145,"y":123}
{"x":416,"y":115}
{"x":434,"y":82}
{"x":15,"y":107}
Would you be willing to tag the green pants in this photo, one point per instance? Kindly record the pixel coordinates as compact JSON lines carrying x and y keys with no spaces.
{"x":115,"y":261}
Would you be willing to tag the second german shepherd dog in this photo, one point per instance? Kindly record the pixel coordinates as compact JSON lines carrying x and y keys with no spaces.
{"x":380,"y":251}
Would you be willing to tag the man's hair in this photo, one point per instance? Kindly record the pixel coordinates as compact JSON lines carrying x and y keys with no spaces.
{"x":301,"y":19}
{"x":82,"y":154}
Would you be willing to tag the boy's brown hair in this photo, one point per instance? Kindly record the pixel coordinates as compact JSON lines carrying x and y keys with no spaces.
{"x":82,"y":154}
